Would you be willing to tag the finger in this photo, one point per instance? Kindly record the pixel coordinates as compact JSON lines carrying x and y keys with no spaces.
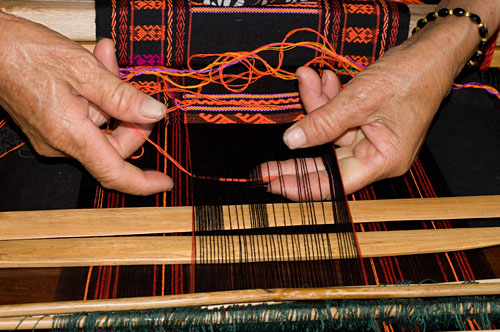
{"x":360,"y":167}
{"x":308,"y":187}
{"x":347,"y":110}
{"x":316,"y":91}
{"x":117,"y":98}
{"x":330,"y":84}
{"x":99,"y":157}
{"x":274,"y":169}
{"x":97,"y":115}
{"x":125,"y":138}
{"x":105,"y":52}
{"x":350,"y":138}
{"x":302,"y":179}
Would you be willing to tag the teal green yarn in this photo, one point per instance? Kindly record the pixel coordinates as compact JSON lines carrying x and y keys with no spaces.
{"x":369,"y":315}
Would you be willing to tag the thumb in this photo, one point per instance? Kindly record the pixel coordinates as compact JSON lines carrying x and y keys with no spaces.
{"x":117,"y":98}
{"x":323,"y":125}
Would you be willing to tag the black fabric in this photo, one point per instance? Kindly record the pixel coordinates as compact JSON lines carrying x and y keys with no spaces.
{"x":148,"y":34}
{"x":464,"y":139}
{"x":32,"y":182}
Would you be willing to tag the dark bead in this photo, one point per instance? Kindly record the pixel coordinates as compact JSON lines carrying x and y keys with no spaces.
{"x":421,"y":23}
{"x":475,"y":18}
{"x":459,"y":11}
{"x":443,"y":12}
{"x":431,"y":17}
{"x":470,"y":64}
{"x":476,"y":57}
{"x":413,"y":31}
{"x":482,"y":46}
{"x":483,"y":32}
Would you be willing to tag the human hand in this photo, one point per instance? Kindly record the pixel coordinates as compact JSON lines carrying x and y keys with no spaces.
{"x":59,"y":94}
{"x":378,"y":121}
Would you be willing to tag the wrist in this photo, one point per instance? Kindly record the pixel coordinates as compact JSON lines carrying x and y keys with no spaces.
{"x":445,"y":45}
{"x":488,"y":10}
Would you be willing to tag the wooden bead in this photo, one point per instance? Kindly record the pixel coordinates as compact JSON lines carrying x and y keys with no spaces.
{"x":478,"y":55}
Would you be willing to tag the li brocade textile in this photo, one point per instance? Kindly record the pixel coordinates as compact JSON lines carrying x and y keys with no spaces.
{"x":229,"y":142}
{"x":167,"y":33}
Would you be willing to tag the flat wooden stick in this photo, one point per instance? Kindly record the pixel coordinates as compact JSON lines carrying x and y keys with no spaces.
{"x":253,"y":296}
{"x":234,"y":249}
{"x":135,"y":221}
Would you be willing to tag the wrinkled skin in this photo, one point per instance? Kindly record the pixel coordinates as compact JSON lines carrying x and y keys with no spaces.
{"x":59,"y":94}
{"x":379,"y":120}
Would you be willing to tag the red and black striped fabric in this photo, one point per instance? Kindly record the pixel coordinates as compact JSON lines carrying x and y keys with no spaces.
{"x":230,"y":143}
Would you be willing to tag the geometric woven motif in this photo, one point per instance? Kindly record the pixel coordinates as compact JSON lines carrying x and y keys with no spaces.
{"x":148,"y":33}
{"x":359,"y":9}
{"x":359,"y":35}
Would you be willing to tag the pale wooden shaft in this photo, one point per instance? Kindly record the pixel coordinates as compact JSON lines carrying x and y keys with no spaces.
{"x":252,"y":296}
{"x":74,"y":19}
{"x":233,"y":249}
{"x":223,"y":316}
{"x":130,"y":221}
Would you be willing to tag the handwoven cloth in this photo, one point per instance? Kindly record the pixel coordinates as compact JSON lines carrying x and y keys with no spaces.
{"x":204,"y":140}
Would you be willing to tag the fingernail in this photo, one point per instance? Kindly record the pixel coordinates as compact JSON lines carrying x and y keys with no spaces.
{"x":324,"y":77}
{"x":295,"y":138}
{"x":152,"y":109}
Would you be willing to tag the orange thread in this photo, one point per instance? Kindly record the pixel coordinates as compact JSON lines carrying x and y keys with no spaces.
{"x":13,"y":149}
{"x":139,"y":155}
{"x":4,"y":121}
{"x":182,"y":169}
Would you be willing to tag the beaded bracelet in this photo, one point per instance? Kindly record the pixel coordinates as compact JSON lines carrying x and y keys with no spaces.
{"x":483,"y":31}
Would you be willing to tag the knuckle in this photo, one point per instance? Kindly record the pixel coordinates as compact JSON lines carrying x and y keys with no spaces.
{"x":109,"y":178}
{"x":120,"y":97}
{"x":322,"y":126}
{"x":84,"y":66}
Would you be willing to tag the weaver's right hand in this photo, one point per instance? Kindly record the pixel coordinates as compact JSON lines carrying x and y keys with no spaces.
{"x":59,"y":94}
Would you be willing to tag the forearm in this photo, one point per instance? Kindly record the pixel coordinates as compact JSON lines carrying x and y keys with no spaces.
{"x":439,"y":51}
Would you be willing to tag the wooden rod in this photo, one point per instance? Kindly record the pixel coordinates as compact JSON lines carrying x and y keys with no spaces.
{"x":73,"y":19}
{"x":135,"y":221}
{"x":253,"y":296}
{"x":223,"y":316}
{"x":234,"y":249}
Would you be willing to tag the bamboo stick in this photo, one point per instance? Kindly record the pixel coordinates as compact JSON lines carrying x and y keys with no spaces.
{"x":234,"y":249}
{"x":253,"y":296}
{"x":135,"y":221}
{"x":222,"y":316}
{"x":74,"y":19}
